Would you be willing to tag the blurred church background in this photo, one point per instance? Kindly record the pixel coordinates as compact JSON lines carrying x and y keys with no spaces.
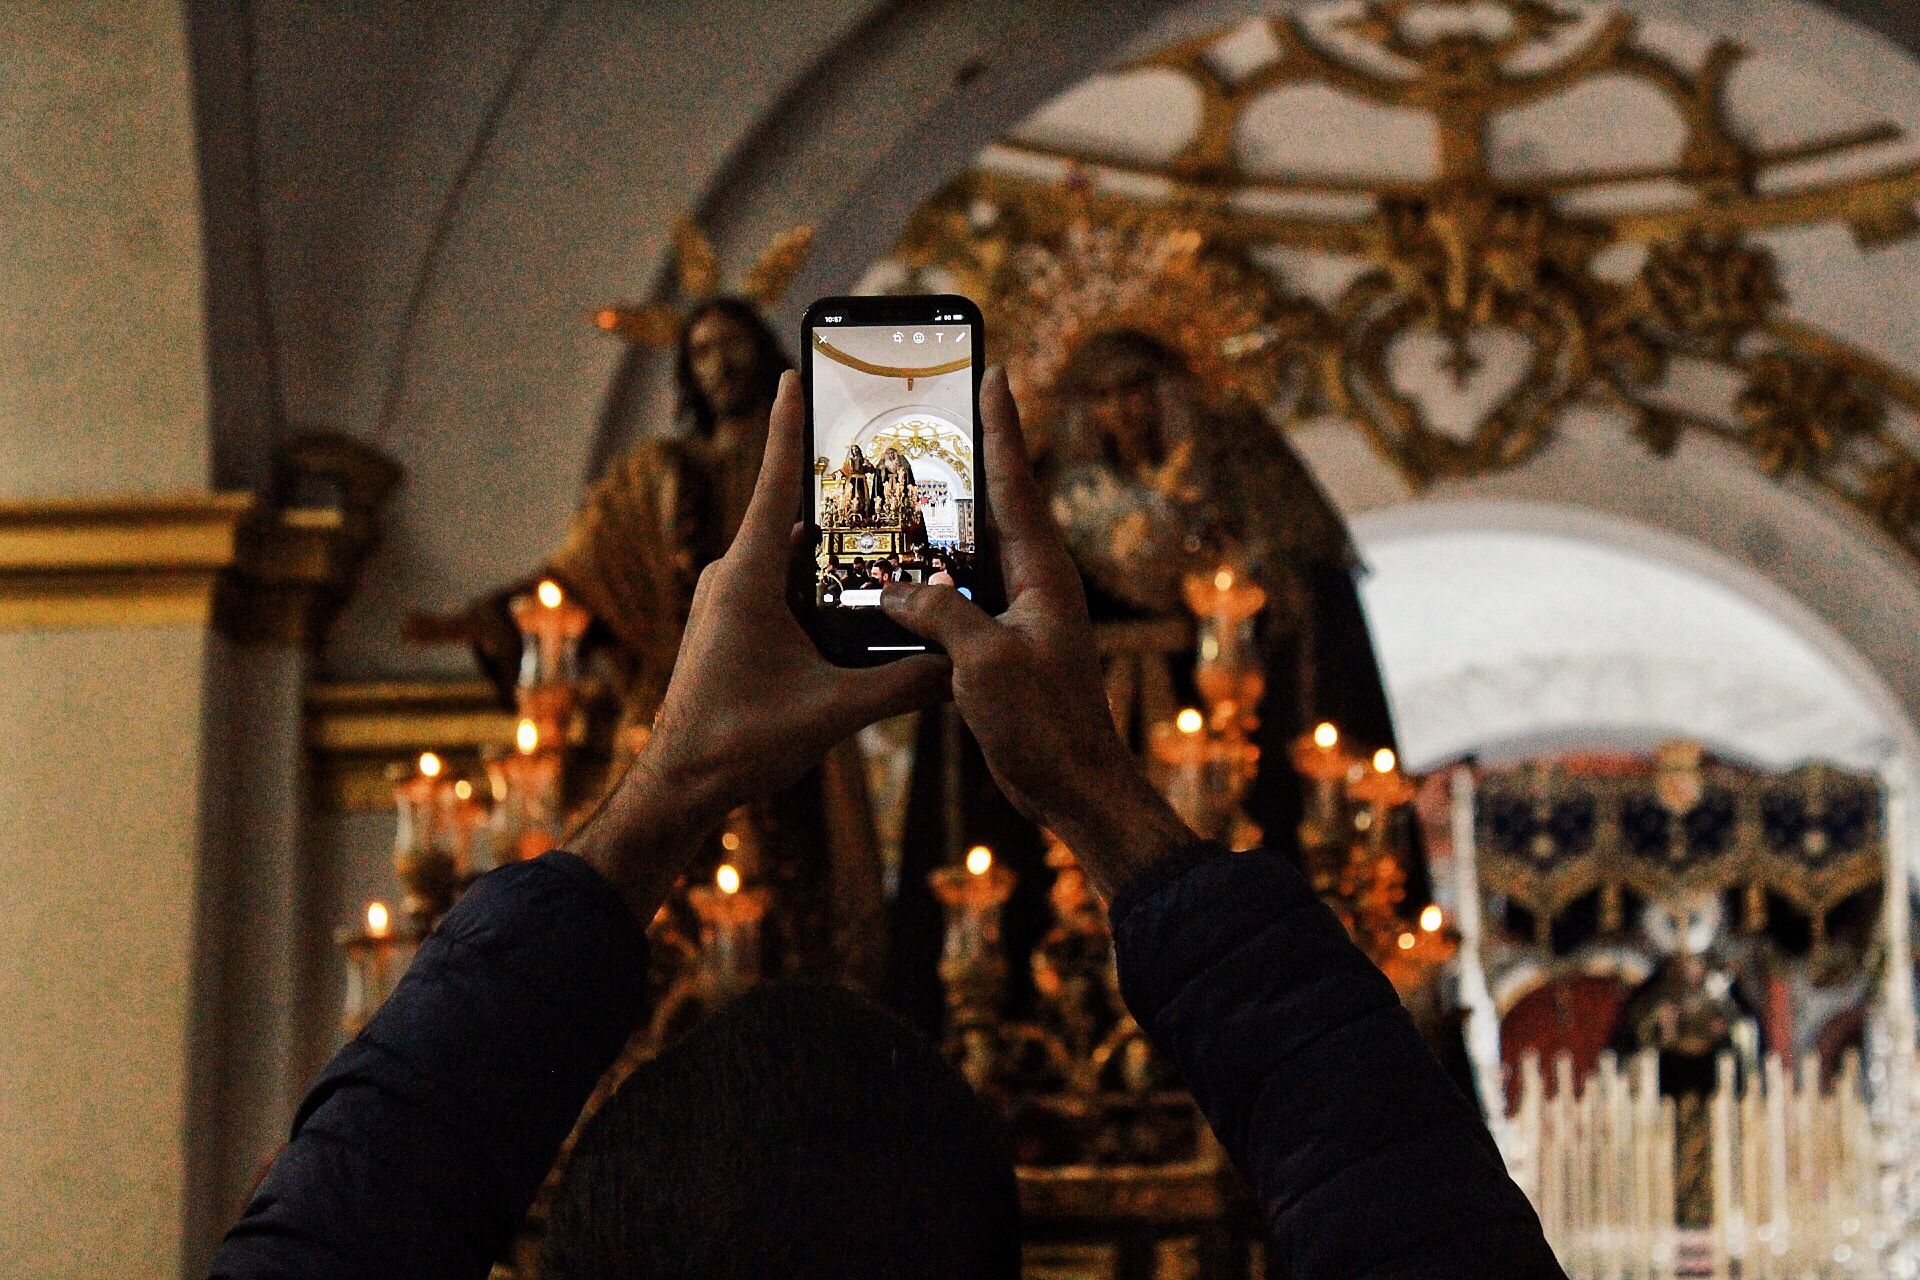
{"x":1597,"y":326}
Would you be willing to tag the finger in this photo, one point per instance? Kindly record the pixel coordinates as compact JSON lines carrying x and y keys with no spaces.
{"x":762,"y":540}
{"x":1031,"y":552}
{"x":891,"y":690}
{"x":940,"y":614}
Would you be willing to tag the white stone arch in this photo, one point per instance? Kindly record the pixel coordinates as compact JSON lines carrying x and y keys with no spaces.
{"x":1848,"y":712}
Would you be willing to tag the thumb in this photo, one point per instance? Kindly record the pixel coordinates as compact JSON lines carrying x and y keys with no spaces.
{"x":938,"y":613}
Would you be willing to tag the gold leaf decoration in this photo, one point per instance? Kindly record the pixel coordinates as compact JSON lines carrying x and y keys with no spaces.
{"x":768,"y":278}
{"x":653,"y":325}
{"x":1200,"y":250}
{"x":697,"y":263}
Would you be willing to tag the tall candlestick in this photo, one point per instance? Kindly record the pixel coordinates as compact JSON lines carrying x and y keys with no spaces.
{"x":973,"y":964}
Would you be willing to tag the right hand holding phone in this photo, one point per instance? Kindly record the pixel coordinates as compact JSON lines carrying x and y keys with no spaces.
{"x":1028,"y":683}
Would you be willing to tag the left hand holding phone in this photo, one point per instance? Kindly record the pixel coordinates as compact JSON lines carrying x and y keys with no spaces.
{"x":752,"y":705}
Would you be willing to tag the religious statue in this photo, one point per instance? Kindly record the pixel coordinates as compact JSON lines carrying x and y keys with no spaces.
{"x":1153,"y":478}
{"x":1689,"y":1011}
{"x":648,"y":526}
{"x":896,"y":484}
{"x":857,"y":477}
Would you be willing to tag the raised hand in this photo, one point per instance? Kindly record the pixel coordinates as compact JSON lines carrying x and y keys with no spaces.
{"x":752,"y":705}
{"x":1028,"y":682}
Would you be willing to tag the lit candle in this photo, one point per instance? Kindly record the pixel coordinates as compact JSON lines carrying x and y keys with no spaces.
{"x":379,"y":921}
{"x":429,"y":765}
{"x":1431,"y":918}
{"x":730,"y":915}
{"x":550,"y":627}
{"x":973,"y":967}
{"x":526,"y":736}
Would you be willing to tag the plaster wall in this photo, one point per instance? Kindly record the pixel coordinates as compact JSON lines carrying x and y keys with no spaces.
{"x":102,"y":368}
{"x":99,"y":779}
{"x":102,"y":390}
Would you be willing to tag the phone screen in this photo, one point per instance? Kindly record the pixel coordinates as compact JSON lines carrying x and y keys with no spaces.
{"x":894,"y":468}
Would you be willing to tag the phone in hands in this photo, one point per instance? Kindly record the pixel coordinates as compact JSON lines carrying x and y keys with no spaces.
{"x":894,"y":487}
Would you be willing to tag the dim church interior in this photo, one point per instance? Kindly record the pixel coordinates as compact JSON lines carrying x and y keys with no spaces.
{"x":304,"y":348}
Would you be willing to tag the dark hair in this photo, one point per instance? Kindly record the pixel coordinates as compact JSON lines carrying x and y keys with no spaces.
{"x":799,"y":1132}
{"x":770,"y":358}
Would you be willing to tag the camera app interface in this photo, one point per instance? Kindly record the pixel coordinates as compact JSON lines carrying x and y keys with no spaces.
{"x":893,"y":458}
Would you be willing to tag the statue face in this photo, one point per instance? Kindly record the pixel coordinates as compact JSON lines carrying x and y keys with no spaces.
{"x":1120,"y":405}
{"x":721,"y":352}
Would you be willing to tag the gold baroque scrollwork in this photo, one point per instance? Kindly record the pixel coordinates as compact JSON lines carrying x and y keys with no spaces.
{"x":921,"y":437}
{"x":1175,"y":247}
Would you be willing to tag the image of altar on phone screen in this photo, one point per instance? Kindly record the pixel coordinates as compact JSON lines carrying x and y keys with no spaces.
{"x":893,"y":459}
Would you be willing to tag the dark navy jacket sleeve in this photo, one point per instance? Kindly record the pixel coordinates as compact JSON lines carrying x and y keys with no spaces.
{"x":1367,"y":1161}
{"x":423,"y":1142}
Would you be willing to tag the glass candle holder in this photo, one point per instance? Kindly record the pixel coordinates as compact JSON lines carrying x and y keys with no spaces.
{"x":1229,"y":674}
{"x":1204,"y":774}
{"x":550,"y":626}
{"x":375,"y":960}
{"x":431,"y":839}
{"x":973,"y":963}
{"x":525,"y":782}
{"x":1320,"y":757}
{"x":1380,"y":787}
{"x":730,"y":918}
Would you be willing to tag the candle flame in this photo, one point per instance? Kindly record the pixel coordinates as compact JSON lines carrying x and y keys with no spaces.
{"x":1406,"y":941}
{"x":1223,"y":580}
{"x":463,"y":789}
{"x":527,"y":737}
{"x":727,"y":878}
{"x":607,"y":319}
{"x":1384,"y":760}
{"x":979,"y":859}
{"x":549,"y":593}
{"x":1431,"y":918}
{"x":377,"y":919}
{"x":429,"y":765}
{"x":1189,"y":721}
{"x":729,"y":840}
{"x":1325,"y":736}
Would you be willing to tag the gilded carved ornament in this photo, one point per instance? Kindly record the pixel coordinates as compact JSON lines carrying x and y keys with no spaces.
{"x":1174,"y":248}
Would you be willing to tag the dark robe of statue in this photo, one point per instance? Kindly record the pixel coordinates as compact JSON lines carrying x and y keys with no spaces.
{"x":658,"y":516}
{"x":1151,"y":479}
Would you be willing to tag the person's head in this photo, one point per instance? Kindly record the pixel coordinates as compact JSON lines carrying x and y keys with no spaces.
{"x":883,"y":571}
{"x":1111,"y":389}
{"x":799,"y":1132}
{"x":859,"y":565}
{"x":729,"y":362}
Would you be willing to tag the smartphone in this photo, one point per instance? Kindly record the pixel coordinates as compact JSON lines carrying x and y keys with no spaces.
{"x":894,"y":487}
